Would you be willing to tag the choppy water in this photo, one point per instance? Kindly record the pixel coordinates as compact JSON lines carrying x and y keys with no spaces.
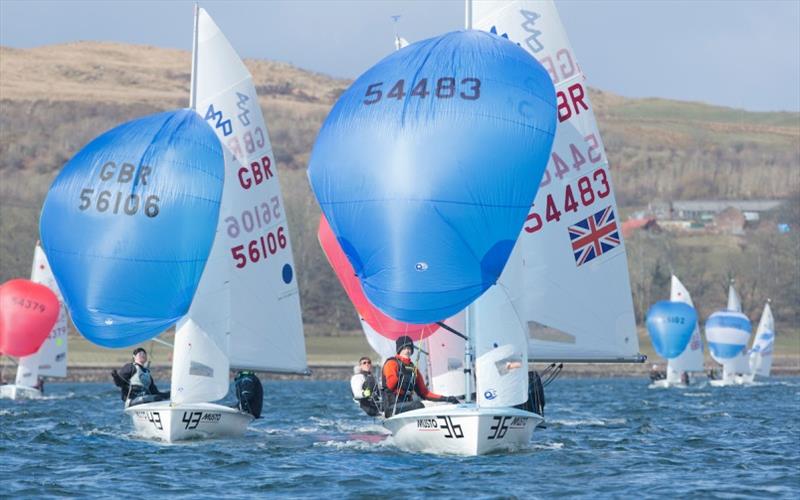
{"x":603,"y":438}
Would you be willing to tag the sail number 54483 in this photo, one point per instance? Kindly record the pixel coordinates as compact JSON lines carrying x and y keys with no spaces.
{"x":446,"y":87}
{"x":585,"y":191}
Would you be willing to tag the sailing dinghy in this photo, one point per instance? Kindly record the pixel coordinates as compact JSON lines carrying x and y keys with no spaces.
{"x":667,"y":330}
{"x":246,"y":312}
{"x":51,"y":358}
{"x":760,"y":355}
{"x":29,"y":312}
{"x":424,"y":181}
{"x":568,"y":255}
{"x":728,"y":332}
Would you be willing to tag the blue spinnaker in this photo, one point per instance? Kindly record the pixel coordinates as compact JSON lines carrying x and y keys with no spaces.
{"x":128,"y":225}
{"x":670,"y":325}
{"x":427,"y":166}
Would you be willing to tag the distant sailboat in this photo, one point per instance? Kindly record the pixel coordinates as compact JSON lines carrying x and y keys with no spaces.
{"x":51,"y":358}
{"x":690,"y":361}
{"x":760,"y":355}
{"x":29,"y":313}
{"x":728,"y":332}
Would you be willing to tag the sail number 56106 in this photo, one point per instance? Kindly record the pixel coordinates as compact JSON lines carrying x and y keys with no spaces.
{"x":260,"y":248}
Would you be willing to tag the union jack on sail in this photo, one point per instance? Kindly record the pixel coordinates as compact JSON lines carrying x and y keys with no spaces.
{"x":594,"y":236}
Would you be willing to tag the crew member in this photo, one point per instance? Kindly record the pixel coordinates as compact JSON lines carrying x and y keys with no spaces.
{"x":365,"y":388}
{"x":135,"y":381}
{"x":401,"y":380}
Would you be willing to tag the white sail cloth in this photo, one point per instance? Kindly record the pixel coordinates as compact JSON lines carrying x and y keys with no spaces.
{"x":51,"y":358}
{"x":247,"y":308}
{"x":574,"y":298}
{"x":691,"y":359}
{"x":764,"y":344}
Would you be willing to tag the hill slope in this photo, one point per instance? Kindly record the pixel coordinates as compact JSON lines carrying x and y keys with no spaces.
{"x":54,"y":99}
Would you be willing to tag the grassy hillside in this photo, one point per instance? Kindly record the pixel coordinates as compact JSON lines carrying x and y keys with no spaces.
{"x":54,"y":99}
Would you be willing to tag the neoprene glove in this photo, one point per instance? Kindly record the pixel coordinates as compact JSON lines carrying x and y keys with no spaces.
{"x":451,"y":399}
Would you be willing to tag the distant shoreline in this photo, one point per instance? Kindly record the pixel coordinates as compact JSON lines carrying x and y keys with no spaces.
{"x":782,"y":366}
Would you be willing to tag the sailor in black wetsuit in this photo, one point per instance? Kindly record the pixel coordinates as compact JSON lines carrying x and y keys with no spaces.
{"x":135,"y":381}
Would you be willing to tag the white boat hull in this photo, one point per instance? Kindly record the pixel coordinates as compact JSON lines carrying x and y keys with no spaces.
{"x":183,"y":422}
{"x":733,"y":380}
{"x":463,"y":429}
{"x":12,"y":391}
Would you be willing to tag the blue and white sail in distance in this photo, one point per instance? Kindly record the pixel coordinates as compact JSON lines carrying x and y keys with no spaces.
{"x":128,"y":224}
{"x":692,"y":358}
{"x":427,"y":166}
{"x":764,"y":344}
{"x":728,"y":331}
{"x":670,"y":325}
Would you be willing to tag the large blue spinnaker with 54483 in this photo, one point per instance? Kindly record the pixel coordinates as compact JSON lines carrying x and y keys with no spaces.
{"x":128,"y":225}
{"x":428,"y":165}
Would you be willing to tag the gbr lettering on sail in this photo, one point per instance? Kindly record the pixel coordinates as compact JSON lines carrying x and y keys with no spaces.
{"x":255,"y":230}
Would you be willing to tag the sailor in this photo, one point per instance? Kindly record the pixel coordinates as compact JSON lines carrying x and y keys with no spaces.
{"x":656,"y":374}
{"x":135,"y":381}
{"x":249,"y":393}
{"x":365,"y":387}
{"x":401,"y":380}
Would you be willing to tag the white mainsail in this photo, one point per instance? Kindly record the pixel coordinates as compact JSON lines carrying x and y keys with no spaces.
{"x":691,"y":359}
{"x":764,"y":344}
{"x":247,"y":306}
{"x":51,"y":358}
{"x":574,"y":299}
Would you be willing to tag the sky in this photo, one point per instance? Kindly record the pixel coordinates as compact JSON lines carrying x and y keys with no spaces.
{"x":738,"y":53}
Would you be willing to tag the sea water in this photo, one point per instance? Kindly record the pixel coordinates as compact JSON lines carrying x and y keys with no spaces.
{"x":604,"y":438}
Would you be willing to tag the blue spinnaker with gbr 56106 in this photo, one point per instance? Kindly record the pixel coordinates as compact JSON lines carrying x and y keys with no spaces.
{"x":427,"y":166}
{"x":128,"y":225}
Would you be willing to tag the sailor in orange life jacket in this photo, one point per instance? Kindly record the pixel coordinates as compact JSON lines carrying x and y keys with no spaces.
{"x":401,"y":379}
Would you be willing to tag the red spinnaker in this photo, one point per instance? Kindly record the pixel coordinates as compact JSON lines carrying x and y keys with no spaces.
{"x":28,"y":312}
{"x":381,"y":323}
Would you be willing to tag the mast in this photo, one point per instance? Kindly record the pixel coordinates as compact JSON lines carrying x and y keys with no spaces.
{"x":193,"y":89}
{"x":468,"y":14}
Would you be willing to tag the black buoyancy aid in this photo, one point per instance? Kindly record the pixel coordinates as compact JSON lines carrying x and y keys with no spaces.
{"x":406,"y":381}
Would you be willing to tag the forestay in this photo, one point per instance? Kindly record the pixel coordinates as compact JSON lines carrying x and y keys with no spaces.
{"x":575,"y":299}
{"x":51,"y":358}
{"x":764,"y":344}
{"x":691,"y":359}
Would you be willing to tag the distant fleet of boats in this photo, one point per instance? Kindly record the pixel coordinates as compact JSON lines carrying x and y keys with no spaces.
{"x":675,"y":334}
{"x":467,"y":210}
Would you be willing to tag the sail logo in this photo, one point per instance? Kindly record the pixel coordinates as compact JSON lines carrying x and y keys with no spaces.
{"x":594,"y":236}
{"x":490,"y":394}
